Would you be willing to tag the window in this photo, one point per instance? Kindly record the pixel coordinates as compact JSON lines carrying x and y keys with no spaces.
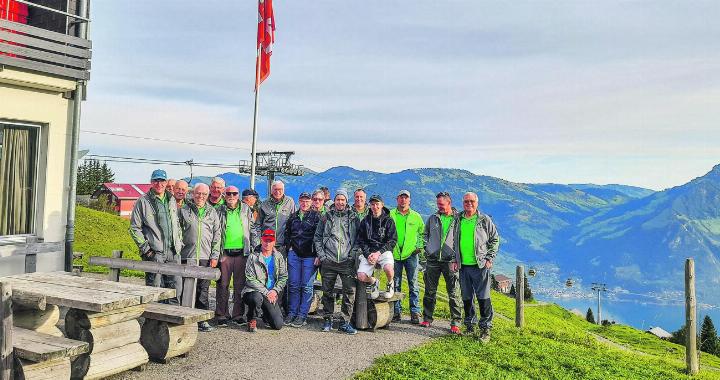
{"x":18,"y":177}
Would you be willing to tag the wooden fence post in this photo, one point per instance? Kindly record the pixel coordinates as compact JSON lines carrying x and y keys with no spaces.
{"x":519,"y":296}
{"x":6,"y":332}
{"x":691,"y":356}
{"x":114,"y":274}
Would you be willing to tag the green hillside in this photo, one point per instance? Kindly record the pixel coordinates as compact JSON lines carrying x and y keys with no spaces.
{"x":98,"y":234}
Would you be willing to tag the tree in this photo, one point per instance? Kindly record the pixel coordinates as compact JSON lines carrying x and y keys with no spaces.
{"x":589,"y":316}
{"x":708,"y":337}
{"x":103,"y":203}
{"x":91,"y":174}
{"x":528,"y":293}
{"x":680,"y":336}
{"x":494,"y":284}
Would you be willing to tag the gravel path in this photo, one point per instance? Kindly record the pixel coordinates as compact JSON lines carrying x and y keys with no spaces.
{"x":291,"y":353}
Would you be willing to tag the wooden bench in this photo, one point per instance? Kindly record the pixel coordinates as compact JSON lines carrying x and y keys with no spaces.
{"x":371,"y":314}
{"x":43,"y":356}
{"x":170,"y":330}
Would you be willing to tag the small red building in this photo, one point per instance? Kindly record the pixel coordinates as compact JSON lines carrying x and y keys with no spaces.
{"x":504,"y":283}
{"x":123,"y":195}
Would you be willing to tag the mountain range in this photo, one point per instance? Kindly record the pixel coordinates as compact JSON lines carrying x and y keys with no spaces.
{"x":631,"y":238}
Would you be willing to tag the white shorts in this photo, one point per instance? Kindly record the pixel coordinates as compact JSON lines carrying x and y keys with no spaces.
{"x":384,"y":259}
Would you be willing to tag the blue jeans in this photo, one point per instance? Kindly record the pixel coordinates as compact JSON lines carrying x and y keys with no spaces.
{"x":410,"y":265}
{"x":301,"y":273}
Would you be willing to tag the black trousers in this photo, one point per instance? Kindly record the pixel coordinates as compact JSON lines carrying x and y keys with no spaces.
{"x":164,"y":281}
{"x":257,"y":303}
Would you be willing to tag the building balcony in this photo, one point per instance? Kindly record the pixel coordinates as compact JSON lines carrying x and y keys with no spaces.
{"x":40,"y":36}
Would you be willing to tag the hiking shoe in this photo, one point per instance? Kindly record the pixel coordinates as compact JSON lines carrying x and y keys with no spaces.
{"x":237,"y":323}
{"x":327,"y":325}
{"x":289,"y":319}
{"x":484,"y":335}
{"x":470,"y":329}
{"x":373,"y":290}
{"x":205,"y":327}
{"x":397,"y":317}
{"x":252,"y":325}
{"x":347,"y":329}
{"x":455,"y":330}
{"x":389,"y":290}
{"x":221,"y":322}
{"x":415,"y":318}
{"x":299,"y":322}
{"x":424,"y":324}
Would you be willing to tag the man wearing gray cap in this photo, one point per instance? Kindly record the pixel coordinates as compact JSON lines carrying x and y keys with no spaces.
{"x":155,"y":228}
{"x":410,"y":243}
{"x":334,"y":244}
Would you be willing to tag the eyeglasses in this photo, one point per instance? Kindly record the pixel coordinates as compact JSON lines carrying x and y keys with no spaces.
{"x":232,"y":193}
{"x":469,"y":201}
{"x":319,"y":199}
{"x":443,"y":194}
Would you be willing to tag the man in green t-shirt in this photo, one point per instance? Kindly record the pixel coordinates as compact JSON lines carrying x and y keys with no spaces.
{"x":479,"y":242}
{"x":441,"y":233}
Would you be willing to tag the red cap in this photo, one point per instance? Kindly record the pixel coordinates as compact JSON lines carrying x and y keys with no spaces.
{"x":268,"y":235}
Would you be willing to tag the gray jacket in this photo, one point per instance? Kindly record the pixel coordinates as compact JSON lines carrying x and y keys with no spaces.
{"x":201,"y":237}
{"x":274,"y":215}
{"x":256,"y":273}
{"x":250,"y":237}
{"x":336,"y":234}
{"x":434,"y":239}
{"x":487,"y":240}
{"x":145,"y":229}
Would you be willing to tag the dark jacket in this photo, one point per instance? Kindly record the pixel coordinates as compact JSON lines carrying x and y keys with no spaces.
{"x":437,"y":248}
{"x":273,"y":215}
{"x":335,"y":236}
{"x":377,"y":234}
{"x":299,"y":233}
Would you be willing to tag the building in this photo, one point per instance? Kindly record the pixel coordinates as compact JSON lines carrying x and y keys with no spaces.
{"x":659,"y":332}
{"x":123,"y":195}
{"x":44,"y":67}
{"x":504,"y":283}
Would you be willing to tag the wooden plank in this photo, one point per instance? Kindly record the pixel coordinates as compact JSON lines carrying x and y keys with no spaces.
{"x":45,"y":56}
{"x":111,"y":336}
{"x":75,"y":297}
{"x":147,"y":293}
{"x":29,"y":300}
{"x":189,"y":287}
{"x":76,"y":319}
{"x":37,"y":347}
{"x":396,"y":297}
{"x":203,"y":273}
{"x":44,"y":67}
{"x":179,"y":315}
{"x":49,"y":370}
{"x":110,"y":362}
{"x":44,"y":44}
{"x":114,"y":274}
{"x":24,"y":248}
{"x":47,"y":34}
{"x":6,"y":332}
{"x":36,"y":319}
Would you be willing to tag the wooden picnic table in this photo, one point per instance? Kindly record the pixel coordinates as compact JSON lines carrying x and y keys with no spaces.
{"x":103,"y":313}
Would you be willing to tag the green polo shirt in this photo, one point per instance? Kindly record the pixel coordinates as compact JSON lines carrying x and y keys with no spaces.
{"x":467,"y":239}
{"x":234,"y":230}
{"x":400,"y":223}
{"x":445,"y":220}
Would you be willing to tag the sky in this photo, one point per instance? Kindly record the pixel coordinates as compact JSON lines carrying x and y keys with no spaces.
{"x":528,"y":91}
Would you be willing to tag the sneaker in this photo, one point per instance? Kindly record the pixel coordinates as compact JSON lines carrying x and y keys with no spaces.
{"x":469,"y":329}
{"x":415,"y":318}
{"x":252,"y":325}
{"x":289,"y":319}
{"x":455,"y":330}
{"x":397,"y":317}
{"x":389,"y":290}
{"x":327,"y":325}
{"x":299,"y":322}
{"x":221,"y":322}
{"x":373,"y":290}
{"x":424,"y":324}
{"x":347,"y":329}
{"x":484,"y":335}
{"x":205,"y":327}
{"x":237,"y":323}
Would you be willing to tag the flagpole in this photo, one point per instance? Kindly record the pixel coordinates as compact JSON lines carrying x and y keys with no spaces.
{"x":253,"y":160}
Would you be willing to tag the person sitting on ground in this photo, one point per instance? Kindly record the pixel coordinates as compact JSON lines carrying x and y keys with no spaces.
{"x":266,"y":274}
{"x":377,"y":237}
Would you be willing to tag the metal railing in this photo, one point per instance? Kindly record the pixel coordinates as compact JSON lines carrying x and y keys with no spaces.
{"x":37,"y":49}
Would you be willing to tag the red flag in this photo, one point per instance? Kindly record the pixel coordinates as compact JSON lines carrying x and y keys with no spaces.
{"x":265,"y":38}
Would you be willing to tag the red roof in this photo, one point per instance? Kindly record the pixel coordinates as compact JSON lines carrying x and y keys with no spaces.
{"x":501,"y":278}
{"x":124,"y":190}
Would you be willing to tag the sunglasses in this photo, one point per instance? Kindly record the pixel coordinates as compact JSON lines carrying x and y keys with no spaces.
{"x":469,"y":201}
{"x":233,"y":193}
{"x":442,"y":194}
{"x":318,"y":199}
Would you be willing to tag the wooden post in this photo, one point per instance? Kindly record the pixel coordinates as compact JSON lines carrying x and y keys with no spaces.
{"x":519,"y":296}
{"x":361,"y":305}
{"x":6,"y":332}
{"x":114,"y":274}
{"x":691,"y":356}
{"x":188,"y":291}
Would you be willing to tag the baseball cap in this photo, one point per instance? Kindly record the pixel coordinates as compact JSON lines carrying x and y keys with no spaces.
{"x":248,"y":192}
{"x":376,"y":198}
{"x":304,"y":194}
{"x":268,"y":235}
{"x":158,"y":174}
{"x":403,"y":192}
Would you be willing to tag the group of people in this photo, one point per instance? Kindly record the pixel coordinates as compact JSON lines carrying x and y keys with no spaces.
{"x":273,"y":251}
